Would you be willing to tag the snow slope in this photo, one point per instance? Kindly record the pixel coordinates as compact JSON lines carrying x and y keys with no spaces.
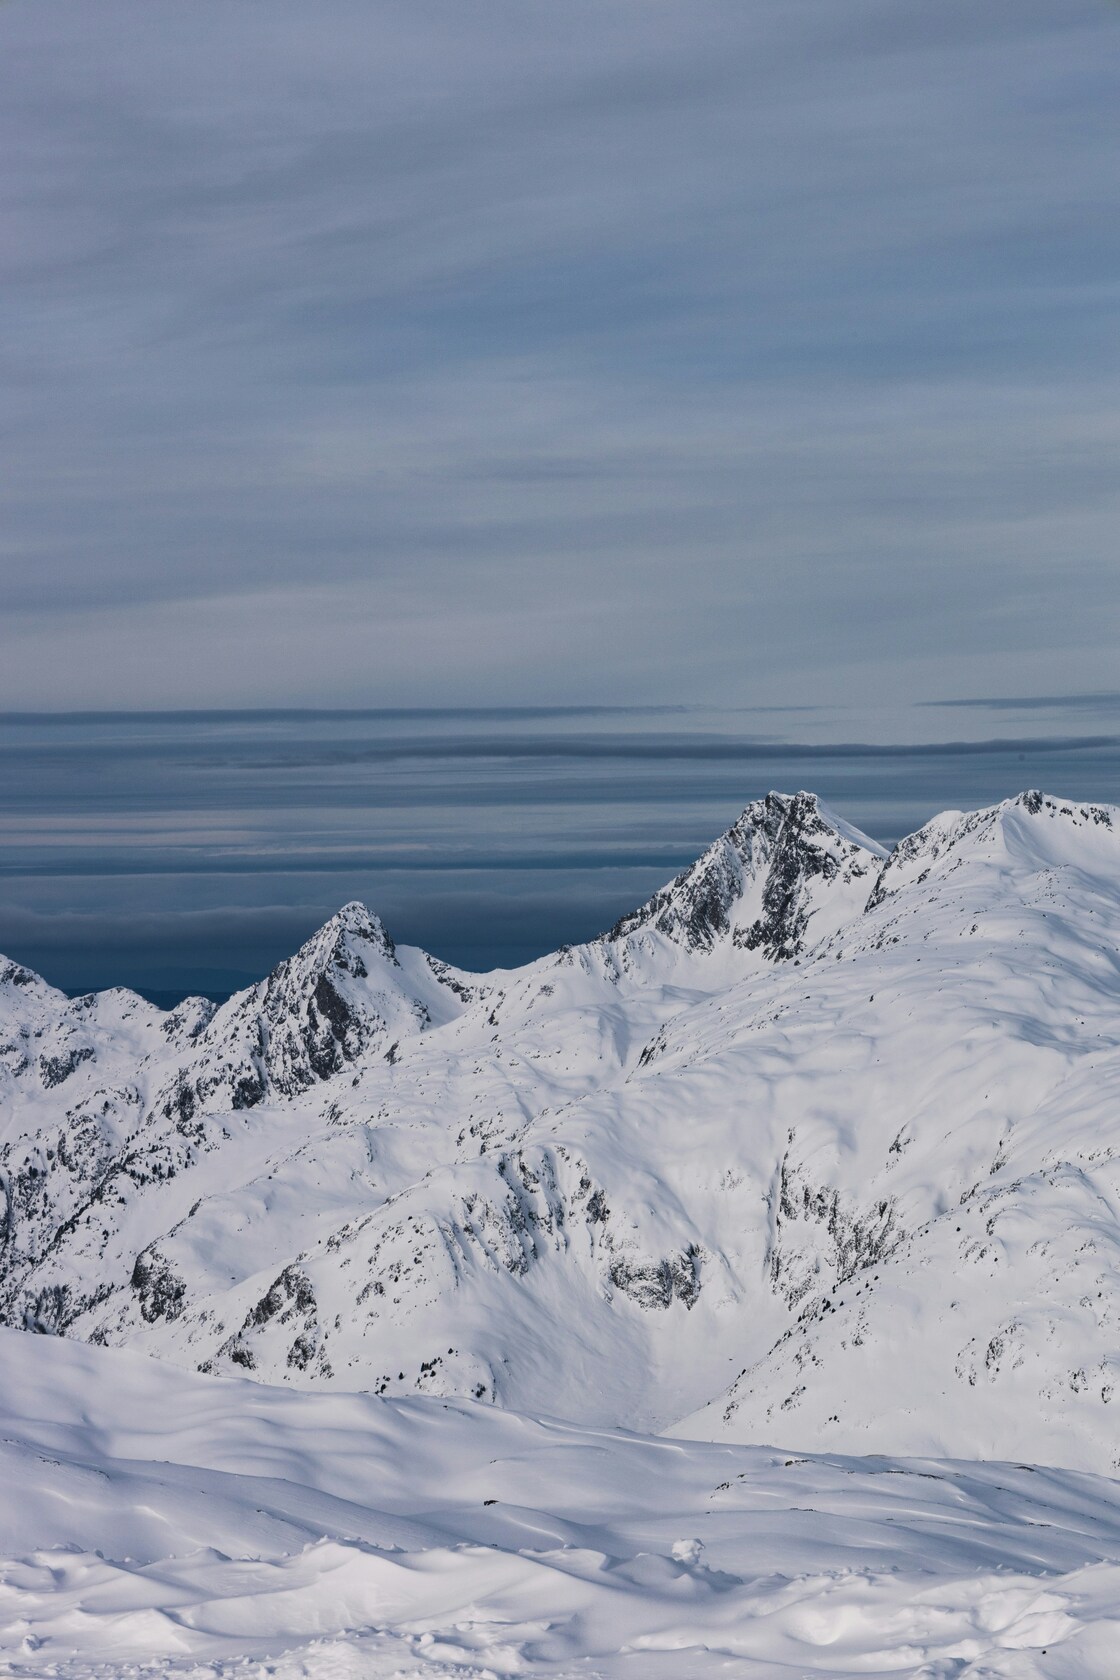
{"x":984,"y":1116}
{"x":156,"y":1522}
{"x":816,"y":1147}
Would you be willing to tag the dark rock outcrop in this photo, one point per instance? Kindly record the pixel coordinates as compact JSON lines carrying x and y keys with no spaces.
{"x":784,"y":844}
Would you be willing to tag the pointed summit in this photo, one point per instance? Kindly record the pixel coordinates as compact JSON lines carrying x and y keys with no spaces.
{"x":320,"y":1008}
{"x":777,"y":870}
{"x":342,"y":993}
{"x":349,"y":941}
{"x":355,"y":919}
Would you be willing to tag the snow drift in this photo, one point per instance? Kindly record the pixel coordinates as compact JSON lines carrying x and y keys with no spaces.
{"x":156,"y":1522}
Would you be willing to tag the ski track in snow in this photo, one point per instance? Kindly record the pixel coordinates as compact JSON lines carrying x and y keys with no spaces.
{"x":817,"y":1147}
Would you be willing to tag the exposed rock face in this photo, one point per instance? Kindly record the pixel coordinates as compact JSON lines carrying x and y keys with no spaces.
{"x":54,"y":1069}
{"x":285,"y":1316}
{"x":160,"y":1291}
{"x":820,"y":1236}
{"x":761,"y":882}
{"x":659,"y":1283}
{"x":807,"y":849}
{"x":323,"y":1007}
{"x":17,"y":977}
{"x":342,"y":993}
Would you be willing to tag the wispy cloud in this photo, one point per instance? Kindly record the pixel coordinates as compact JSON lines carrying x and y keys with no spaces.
{"x":1096,"y":703}
{"x":752,"y":354}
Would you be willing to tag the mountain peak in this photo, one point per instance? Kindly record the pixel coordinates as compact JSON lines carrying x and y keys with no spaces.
{"x":356,"y":917}
{"x":16,"y":978}
{"x":1074,"y":811}
{"x":316,"y":1013}
{"x":763,"y":880}
{"x":337,"y":940}
{"x":1032,"y":830}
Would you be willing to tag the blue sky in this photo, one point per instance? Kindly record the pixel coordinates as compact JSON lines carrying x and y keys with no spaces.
{"x":731,"y":354}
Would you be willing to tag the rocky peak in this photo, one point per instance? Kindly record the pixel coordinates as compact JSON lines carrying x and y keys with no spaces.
{"x":19,"y":986}
{"x":344,"y":941}
{"x":320,"y":1008}
{"x":1068,"y":814}
{"x":761,"y":882}
{"x":812,"y":853}
{"x":318,"y":1011}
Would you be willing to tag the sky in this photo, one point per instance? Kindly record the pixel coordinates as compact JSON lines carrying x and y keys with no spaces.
{"x":595,"y":414}
{"x":744,"y":354}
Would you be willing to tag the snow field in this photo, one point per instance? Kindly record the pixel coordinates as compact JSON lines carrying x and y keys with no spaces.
{"x":156,"y":1523}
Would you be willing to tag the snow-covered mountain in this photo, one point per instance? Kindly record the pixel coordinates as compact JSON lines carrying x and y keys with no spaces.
{"x":817,"y":1146}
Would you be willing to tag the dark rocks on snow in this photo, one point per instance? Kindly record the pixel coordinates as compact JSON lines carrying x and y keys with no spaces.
{"x":162,"y":1294}
{"x":783,"y":839}
{"x":659,"y":1283}
{"x":54,"y":1069}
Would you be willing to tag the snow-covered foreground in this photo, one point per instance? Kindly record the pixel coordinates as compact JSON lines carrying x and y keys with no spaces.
{"x":156,"y":1522}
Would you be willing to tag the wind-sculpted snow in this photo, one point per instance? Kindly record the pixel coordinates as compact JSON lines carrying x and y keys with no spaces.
{"x":818,"y":1146}
{"x":160,"y":1523}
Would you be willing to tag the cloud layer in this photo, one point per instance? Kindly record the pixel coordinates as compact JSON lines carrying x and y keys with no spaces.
{"x":708,"y":352}
{"x":192,"y":852}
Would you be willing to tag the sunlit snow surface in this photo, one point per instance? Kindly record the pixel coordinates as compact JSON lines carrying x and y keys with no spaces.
{"x":817,"y":1148}
{"x":155,"y":1522}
